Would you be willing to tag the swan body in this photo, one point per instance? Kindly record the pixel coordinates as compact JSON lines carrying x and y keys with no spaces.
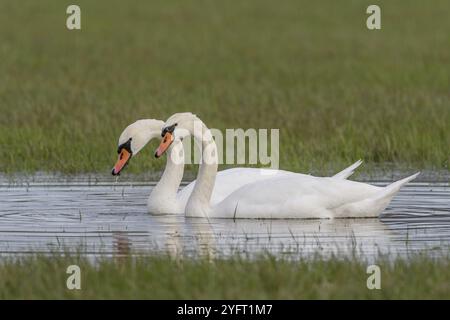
{"x":165,"y":197}
{"x":282,"y":196}
{"x":306,"y":197}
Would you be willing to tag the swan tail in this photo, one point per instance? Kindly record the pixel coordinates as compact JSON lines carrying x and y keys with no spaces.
{"x":382,"y":199}
{"x":390,"y":190}
{"x":347,"y":172}
{"x":374,"y":205}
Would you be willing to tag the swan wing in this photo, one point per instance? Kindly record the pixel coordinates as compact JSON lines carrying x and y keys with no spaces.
{"x":300,"y":196}
{"x":304,"y":196}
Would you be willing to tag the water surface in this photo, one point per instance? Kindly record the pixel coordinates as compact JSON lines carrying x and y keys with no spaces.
{"x":104,"y":218}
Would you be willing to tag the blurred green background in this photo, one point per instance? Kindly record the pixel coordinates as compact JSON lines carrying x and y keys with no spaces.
{"x":337,"y":91}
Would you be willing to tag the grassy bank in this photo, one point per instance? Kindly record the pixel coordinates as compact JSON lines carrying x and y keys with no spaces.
{"x":337,"y":91}
{"x":263,"y":278}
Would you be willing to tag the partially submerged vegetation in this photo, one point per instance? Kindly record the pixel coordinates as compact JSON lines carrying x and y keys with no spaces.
{"x":337,"y":91}
{"x":160,"y":277}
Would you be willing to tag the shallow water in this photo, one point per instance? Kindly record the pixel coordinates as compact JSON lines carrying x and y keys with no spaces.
{"x":104,"y":219}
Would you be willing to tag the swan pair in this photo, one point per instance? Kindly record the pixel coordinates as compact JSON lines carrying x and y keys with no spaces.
{"x":165,"y":198}
{"x":244,"y":192}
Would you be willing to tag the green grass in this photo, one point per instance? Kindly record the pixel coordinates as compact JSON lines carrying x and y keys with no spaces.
{"x":337,"y":91}
{"x":264,"y":278}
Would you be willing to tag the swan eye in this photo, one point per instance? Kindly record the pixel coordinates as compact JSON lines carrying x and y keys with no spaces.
{"x":168,"y":129}
{"x":126,"y":146}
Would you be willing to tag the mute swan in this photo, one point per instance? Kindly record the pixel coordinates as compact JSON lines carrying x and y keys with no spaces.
{"x":286,"y":196}
{"x":165,"y":198}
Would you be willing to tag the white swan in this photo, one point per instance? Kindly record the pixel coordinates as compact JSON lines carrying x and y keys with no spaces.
{"x":288,"y":196}
{"x":164,"y":197}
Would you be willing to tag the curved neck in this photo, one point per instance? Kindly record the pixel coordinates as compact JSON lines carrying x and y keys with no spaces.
{"x":198,"y":203}
{"x":170,"y":181}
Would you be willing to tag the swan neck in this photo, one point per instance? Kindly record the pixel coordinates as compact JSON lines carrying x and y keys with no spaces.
{"x":199,"y":201}
{"x":170,"y":181}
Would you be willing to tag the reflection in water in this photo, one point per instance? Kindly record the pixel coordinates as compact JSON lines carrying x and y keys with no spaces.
{"x":204,"y":236}
{"x":122,"y":243}
{"x":169,"y":238}
{"x":106,"y":219}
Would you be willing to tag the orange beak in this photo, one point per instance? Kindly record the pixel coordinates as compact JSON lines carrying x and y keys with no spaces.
{"x":164,"y":145}
{"x":124,"y":157}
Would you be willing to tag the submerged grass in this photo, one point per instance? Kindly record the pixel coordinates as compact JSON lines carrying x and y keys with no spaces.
{"x":160,"y":277}
{"x":337,"y":91}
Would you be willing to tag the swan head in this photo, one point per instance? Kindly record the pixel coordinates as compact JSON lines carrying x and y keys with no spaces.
{"x":133,"y":139}
{"x":176,"y":128}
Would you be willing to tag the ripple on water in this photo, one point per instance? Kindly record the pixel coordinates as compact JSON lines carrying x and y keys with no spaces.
{"x":109,"y":219}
